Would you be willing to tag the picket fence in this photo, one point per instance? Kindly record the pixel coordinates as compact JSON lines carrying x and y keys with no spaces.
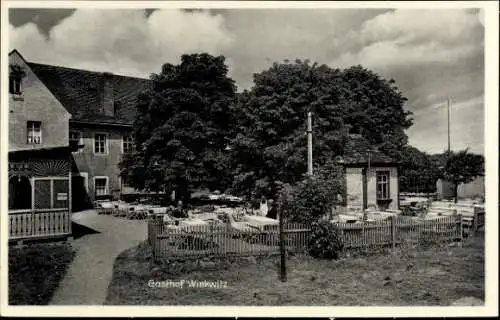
{"x":169,"y":242}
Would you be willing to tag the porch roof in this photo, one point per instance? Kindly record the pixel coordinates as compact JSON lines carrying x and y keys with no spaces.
{"x":47,"y":152}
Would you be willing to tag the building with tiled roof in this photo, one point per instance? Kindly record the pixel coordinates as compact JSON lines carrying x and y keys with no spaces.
{"x":96,"y":97}
{"x":92,"y":110}
{"x":371,"y":176}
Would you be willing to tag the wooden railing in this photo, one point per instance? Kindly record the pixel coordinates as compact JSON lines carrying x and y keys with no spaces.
{"x":222,"y":240}
{"x":38,"y":224}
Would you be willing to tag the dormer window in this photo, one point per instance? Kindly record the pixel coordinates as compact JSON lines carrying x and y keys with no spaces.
{"x":15,"y":85}
{"x":16,"y":76}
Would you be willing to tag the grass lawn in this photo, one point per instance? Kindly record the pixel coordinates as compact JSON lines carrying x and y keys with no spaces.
{"x":408,"y":277}
{"x":35,"y":272}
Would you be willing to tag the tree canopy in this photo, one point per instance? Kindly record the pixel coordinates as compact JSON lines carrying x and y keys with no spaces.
{"x":182,"y":126}
{"x":463,"y":167}
{"x":270,"y":144}
{"x":419,"y":171}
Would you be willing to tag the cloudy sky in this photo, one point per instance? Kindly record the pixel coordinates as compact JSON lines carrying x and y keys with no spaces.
{"x":431,"y":54}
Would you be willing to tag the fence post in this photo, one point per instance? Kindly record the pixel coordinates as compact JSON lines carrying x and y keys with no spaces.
{"x":460,"y":229}
{"x":154,"y":239}
{"x":282,"y":247}
{"x":475,"y":220}
{"x":393,"y":231}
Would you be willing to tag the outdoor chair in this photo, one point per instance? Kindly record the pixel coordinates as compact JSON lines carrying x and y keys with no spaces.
{"x":121,"y":209}
{"x":138,"y":212}
{"x":104,"y":207}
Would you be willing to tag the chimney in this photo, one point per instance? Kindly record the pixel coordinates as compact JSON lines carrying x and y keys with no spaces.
{"x":108,"y":99}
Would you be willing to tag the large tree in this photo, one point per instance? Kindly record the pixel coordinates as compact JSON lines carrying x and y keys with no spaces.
{"x":181,"y":128}
{"x":270,"y":145}
{"x":462,"y":167}
{"x":419,"y":171}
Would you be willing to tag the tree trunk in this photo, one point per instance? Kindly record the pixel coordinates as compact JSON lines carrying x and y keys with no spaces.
{"x":182,"y":193}
{"x":455,"y":192}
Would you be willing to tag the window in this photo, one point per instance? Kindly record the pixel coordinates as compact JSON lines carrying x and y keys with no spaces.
{"x":75,"y":137}
{"x":128,"y":144}
{"x":34,"y":132}
{"x":16,"y":76}
{"x":15,"y":84}
{"x":101,"y":186}
{"x":382,"y":185}
{"x":100,"y":144}
{"x":125,"y":183}
{"x":51,"y":192}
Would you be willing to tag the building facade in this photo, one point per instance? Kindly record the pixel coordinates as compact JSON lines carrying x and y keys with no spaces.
{"x":371,"y":177}
{"x":91,"y":111}
{"x":39,"y":158}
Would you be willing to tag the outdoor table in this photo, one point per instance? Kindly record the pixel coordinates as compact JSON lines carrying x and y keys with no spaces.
{"x":157,"y":210}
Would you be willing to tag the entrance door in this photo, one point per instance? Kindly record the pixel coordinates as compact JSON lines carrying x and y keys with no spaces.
{"x":19,"y":193}
{"x":80,"y":199}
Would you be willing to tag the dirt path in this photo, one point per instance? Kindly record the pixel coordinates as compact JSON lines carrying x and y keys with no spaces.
{"x":89,"y":275}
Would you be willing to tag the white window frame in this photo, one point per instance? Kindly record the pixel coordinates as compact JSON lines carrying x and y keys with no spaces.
{"x":123,"y":143}
{"x":106,"y":188}
{"x":33,"y":136}
{"x":80,"y":139}
{"x":106,"y":146}
{"x":386,"y":182}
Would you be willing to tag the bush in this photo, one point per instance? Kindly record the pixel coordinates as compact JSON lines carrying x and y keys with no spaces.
{"x":325,"y":241}
{"x":309,"y":200}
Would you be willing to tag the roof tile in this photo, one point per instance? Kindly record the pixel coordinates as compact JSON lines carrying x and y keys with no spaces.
{"x":358,"y":150}
{"x":81,"y":92}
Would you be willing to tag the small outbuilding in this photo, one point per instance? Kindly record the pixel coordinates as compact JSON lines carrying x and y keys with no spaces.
{"x":371,"y":177}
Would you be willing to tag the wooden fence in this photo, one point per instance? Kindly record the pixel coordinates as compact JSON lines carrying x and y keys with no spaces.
{"x":400,"y":230}
{"x":221,"y":240}
{"x":38,"y":224}
{"x":169,"y":242}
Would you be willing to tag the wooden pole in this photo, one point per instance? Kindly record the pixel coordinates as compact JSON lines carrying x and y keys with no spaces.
{"x":282,"y":248}
{"x":32,"y":205}
{"x":70,"y":194}
{"x":460,"y":229}
{"x":309,"y":145}
{"x":448,"y":105}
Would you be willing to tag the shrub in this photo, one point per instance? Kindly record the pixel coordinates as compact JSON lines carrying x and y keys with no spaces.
{"x":325,"y":241}
{"x":309,"y":200}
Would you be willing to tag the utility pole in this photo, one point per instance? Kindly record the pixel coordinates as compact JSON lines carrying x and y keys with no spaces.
{"x":448,"y":107}
{"x":309,"y":145}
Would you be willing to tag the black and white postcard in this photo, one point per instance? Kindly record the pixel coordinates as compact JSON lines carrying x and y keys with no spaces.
{"x":249,"y":158}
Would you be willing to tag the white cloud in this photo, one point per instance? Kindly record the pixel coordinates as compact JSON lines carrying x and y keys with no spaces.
{"x":411,"y":37}
{"x":123,"y":41}
{"x":430,"y":130}
{"x":384,"y":54}
{"x":446,"y":26}
{"x":430,"y":54}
